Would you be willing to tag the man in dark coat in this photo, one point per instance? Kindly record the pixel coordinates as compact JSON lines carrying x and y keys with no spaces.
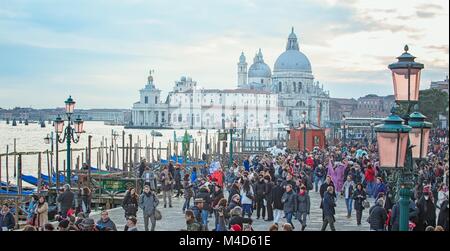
{"x":277,"y":193}
{"x":289,"y":200}
{"x":328,"y":205}
{"x":7,"y":221}
{"x":66,"y":200}
{"x":260,"y":189}
{"x":443,"y":216}
{"x":268,"y":196}
{"x":427,"y":212}
{"x":377,"y":216}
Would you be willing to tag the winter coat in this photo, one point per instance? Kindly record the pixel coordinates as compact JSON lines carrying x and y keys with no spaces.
{"x":369,"y":175}
{"x":328,"y":204}
{"x":193,"y":177}
{"x":427,"y":214}
{"x":377,"y":217}
{"x":379,"y":188}
{"x":303,"y":203}
{"x":260,"y":188}
{"x":148,"y":203}
{"x":204,"y":194}
{"x":234,"y":190}
{"x":359,"y":196}
{"x":42,"y":215}
{"x":443,"y":216}
{"x":66,"y":200}
{"x":106,"y":224}
{"x":289,"y":200}
{"x":319,"y":172}
{"x":268,"y":191}
{"x":7,"y":220}
{"x":188,"y":192}
{"x":130,"y":205}
{"x":277,"y":194}
{"x":166,"y":181}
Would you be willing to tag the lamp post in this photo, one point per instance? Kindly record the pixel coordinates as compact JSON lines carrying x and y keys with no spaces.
{"x":344,"y":129}
{"x":304,"y":131}
{"x":68,"y":133}
{"x":398,"y":137}
{"x":232,"y":128}
{"x":372,"y":124}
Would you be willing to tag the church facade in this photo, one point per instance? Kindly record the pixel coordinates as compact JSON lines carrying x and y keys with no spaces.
{"x":293,"y":82}
{"x":262,"y":99}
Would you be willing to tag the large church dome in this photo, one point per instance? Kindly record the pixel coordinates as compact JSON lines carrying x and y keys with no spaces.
{"x":259,"y":69}
{"x":292,"y":59}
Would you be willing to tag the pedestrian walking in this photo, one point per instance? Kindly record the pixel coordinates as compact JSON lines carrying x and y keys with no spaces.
{"x":148,"y":203}
{"x":328,"y":205}
{"x":289,"y":201}
{"x":130,"y":203}
{"x":359,"y":196}
{"x":166,"y":186}
{"x":303,"y":206}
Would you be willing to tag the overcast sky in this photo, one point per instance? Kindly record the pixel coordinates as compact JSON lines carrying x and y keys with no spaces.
{"x":100,"y":51}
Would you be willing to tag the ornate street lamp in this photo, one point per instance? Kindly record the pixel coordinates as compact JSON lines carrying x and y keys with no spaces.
{"x":392,"y":138}
{"x":398,"y":138}
{"x":419,"y":135}
{"x":406,"y":77}
{"x":70,"y":134}
{"x":344,"y":128}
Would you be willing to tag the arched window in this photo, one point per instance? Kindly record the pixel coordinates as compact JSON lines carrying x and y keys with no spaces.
{"x":295,"y":87}
{"x":299,"y":86}
{"x":180,"y":117}
{"x":280,"y":87}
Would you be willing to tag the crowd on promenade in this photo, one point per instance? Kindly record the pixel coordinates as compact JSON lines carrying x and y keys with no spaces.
{"x":270,"y":188}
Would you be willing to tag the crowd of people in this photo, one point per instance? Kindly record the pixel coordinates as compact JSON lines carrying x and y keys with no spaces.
{"x":272,"y":187}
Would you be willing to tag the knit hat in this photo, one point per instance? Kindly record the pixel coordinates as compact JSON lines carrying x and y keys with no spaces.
{"x":236,"y":227}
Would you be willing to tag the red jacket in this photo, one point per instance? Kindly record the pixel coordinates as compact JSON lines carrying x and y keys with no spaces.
{"x":218,"y":175}
{"x":310,"y":162}
{"x":370,"y":175}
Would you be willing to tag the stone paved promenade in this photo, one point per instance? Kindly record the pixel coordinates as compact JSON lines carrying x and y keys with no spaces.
{"x":173,"y":218}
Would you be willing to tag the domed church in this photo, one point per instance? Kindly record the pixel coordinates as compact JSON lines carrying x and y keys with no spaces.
{"x":292,"y":79}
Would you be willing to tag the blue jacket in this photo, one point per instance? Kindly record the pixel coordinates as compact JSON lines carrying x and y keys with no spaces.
{"x":193,"y":177}
{"x":247,"y":165}
{"x":379,"y":188}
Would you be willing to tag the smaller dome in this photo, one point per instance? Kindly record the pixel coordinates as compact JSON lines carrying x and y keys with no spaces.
{"x":259,"y":69}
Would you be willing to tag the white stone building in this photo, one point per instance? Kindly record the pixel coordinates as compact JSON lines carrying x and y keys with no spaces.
{"x":292,"y":80}
{"x":261,"y":100}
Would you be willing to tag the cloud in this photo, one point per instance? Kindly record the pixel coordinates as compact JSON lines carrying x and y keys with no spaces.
{"x":425,"y":14}
{"x":439,"y":48}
